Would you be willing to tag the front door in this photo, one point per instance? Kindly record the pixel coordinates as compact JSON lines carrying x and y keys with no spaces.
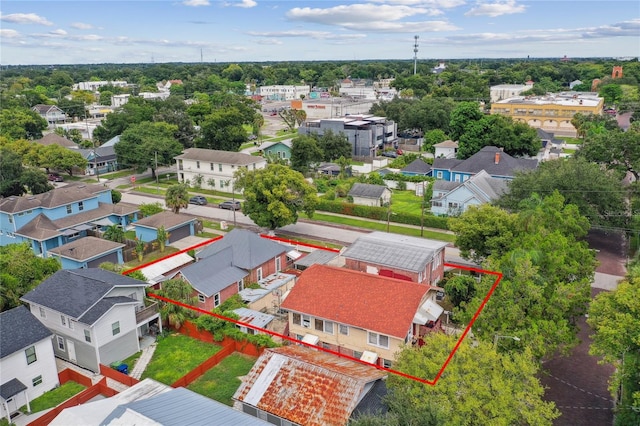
{"x":71,"y":348}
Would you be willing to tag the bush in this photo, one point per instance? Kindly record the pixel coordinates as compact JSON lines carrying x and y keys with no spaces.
{"x":330,"y":195}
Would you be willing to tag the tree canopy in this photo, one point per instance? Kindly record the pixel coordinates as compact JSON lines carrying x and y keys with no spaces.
{"x":177,"y":197}
{"x":275,"y":195}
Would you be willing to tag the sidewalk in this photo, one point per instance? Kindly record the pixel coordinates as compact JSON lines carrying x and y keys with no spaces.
{"x":143,"y":361}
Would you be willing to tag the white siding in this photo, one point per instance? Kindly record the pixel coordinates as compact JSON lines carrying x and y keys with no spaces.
{"x":125,"y":314}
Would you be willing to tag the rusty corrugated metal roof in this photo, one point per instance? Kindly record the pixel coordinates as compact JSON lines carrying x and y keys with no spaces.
{"x":305,"y":386}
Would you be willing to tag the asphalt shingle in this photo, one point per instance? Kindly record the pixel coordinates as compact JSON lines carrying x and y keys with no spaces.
{"x":19,"y":329}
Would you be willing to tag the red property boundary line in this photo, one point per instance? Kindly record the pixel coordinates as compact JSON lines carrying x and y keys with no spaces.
{"x":431,"y":382}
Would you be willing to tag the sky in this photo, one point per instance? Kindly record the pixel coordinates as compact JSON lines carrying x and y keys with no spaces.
{"x":146,"y":31}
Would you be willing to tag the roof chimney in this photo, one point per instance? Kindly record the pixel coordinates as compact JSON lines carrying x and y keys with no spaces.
{"x":497,"y":158}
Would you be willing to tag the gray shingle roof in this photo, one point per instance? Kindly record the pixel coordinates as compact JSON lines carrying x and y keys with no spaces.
{"x":70,"y":193}
{"x":55,"y":139}
{"x":166,"y":218}
{"x":321,"y":257}
{"x":215,"y":156}
{"x":180,"y":407}
{"x":445,"y":163}
{"x":100,"y":308}
{"x":417,"y":166}
{"x":19,"y":329}
{"x":249,"y":249}
{"x":485,"y":159}
{"x":445,"y":185}
{"x":367,"y":190}
{"x":74,"y":291}
{"x":394,"y":250}
{"x":11,"y":388}
{"x":213,"y":273}
{"x":85,"y":248}
{"x":40,"y":228}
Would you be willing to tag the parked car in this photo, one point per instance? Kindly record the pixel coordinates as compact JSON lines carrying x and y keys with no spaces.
{"x":390,"y":154}
{"x":54,"y":177}
{"x":230,"y":205}
{"x":199,"y":200}
{"x":399,"y":151}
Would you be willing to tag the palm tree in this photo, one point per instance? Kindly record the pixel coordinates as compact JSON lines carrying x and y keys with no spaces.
{"x":177,"y":197}
{"x":162,"y":235}
{"x":180,"y":291}
{"x":114,"y":233}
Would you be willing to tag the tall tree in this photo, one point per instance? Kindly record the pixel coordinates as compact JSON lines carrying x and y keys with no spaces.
{"x":463,"y":115}
{"x":177,"y":197}
{"x":614,"y":150}
{"x":10,"y":173}
{"x":60,"y":158}
{"x":180,"y":291}
{"x":304,"y":152}
{"x":480,"y":386}
{"x":148,"y":144}
{"x":275,"y":195}
{"x":21,"y":123}
{"x":223,"y":130}
{"x":334,"y":146}
{"x":20,"y":272}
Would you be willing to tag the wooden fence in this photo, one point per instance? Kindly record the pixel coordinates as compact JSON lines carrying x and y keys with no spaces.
{"x":118,"y":376}
{"x":194,"y":374}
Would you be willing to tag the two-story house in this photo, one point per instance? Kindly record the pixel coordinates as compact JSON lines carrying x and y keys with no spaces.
{"x":60,"y":216}
{"x":96,"y":316}
{"x":216,"y":168}
{"x":361,"y":315}
{"x":223,"y":268}
{"x":493,"y":160}
{"x":296,"y":385}
{"x":398,"y":256}
{"x":280,"y":150}
{"x":51,"y":113}
{"x":27,"y":365}
{"x":454,"y":198}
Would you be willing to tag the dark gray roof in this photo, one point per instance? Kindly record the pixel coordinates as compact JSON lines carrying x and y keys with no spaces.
{"x":367,"y":190}
{"x":184,"y":407}
{"x":168,"y":219}
{"x":213,"y":273}
{"x":485,"y":159}
{"x":102,"y":152}
{"x":373,"y":402}
{"x":249,"y":249}
{"x":417,"y":166}
{"x":74,"y":291}
{"x":445,"y":163}
{"x":548,"y":136}
{"x":321,"y":257}
{"x":19,"y":329}
{"x":100,"y":308}
{"x":393,"y":250}
{"x":70,"y":193}
{"x":445,"y":185}
{"x":485,"y":187}
{"x":11,"y":388}
{"x":215,"y":156}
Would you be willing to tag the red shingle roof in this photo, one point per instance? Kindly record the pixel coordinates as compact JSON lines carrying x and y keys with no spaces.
{"x":372,"y":302}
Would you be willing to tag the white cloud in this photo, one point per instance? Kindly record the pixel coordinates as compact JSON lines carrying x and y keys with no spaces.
{"x":499,"y":8}
{"x":9,"y":33}
{"x":196,"y":3}
{"x":25,"y":18}
{"x":349,"y":14}
{"x":58,"y":32}
{"x":269,"y":42}
{"x":317,"y":35}
{"x":245,"y":4}
{"x":440,"y":4}
{"x":81,"y":26}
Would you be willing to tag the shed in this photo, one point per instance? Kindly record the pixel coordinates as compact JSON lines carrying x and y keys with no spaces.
{"x":367,"y":194}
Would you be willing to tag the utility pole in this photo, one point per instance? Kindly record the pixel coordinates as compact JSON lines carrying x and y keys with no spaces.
{"x":156,"y":170}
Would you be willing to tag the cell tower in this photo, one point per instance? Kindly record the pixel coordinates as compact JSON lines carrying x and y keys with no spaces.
{"x":415,"y":55}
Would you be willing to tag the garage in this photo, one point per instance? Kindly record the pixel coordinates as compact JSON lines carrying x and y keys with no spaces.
{"x":179,"y":233}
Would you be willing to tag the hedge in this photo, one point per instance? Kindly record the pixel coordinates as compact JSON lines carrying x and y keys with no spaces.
{"x":380,"y":213}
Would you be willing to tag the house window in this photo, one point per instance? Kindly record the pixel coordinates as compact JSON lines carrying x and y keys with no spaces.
{"x":306,"y":321}
{"x":10,"y":218}
{"x":259,"y":273}
{"x":80,"y":205}
{"x":376,"y":339}
{"x":240,"y":285}
{"x":197,"y":164}
{"x":387,"y":363}
{"x":439,"y":175}
{"x":71,"y":325}
{"x":63,"y":320}
{"x":325,"y":326}
{"x":296,"y":318}
{"x":219,"y":167}
{"x":357,"y":354}
{"x":201,"y":298}
{"x":68,"y":208}
{"x":211,"y":166}
{"x":60,"y":343}
{"x":344,"y":329}
{"x":87,"y":336}
{"x":43,"y":314}
{"x":278,"y":264}
{"x":36,"y":381}
{"x":30,"y":352}
{"x":216,"y":300}
{"x":115,"y":328}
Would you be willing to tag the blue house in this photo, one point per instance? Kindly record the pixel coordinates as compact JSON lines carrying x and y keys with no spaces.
{"x":178,"y":225}
{"x":280,"y":150}
{"x":417,"y":168}
{"x":491,"y":159}
{"x":100,"y":160}
{"x":454,"y":198}
{"x":88,"y":252}
{"x":60,"y":216}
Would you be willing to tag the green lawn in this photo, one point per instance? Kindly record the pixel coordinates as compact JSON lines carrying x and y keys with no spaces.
{"x":221,"y":382}
{"x":405,"y":202}
{"x":156,"y":254}
{"x":117,"y":175}
{"x":175,"y":356}
{"x":382,"y":226}
{"x":310,"y":241}
{"x":54,"y":397}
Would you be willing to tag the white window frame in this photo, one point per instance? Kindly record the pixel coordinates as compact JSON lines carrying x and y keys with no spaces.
{"x":115,"y":328}
{"x":374,"y":339}
{"x":343,"y":329}
{"x":87,"y":336}
{"x":36,"y":381}
{"x":306,"y":321}
{"x":201,"y":298}
{"x":61,"y":343}
{"x":30,"y":352}
{"x":80,"y":206}
{"x":439,"y":175}
{"x":259,"y":274}
{"x":240,"y":285}
{"x":216,"y":300}
{"x":278,"y":264}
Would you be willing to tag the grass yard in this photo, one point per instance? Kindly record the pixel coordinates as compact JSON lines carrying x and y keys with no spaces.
{"x":382,"y":226}
{"x":175,"y":356}
{"x":221,"y":382}
{"x":117,"y":175}
{"x":309,"y":241}
{"x":405,"y":202}
{"x":54,"y":397}
{"x":156,"y":254}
